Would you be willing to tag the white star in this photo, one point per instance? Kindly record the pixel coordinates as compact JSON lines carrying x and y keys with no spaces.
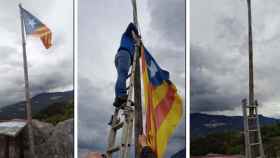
{"x":31,"y":23}
{"x":153,"y":69}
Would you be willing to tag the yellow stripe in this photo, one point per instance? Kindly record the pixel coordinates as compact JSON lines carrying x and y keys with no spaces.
{"x":44,"y":34}
{"x":168,"y":126}
{"x":145,"y":84}
{"x":41,"y":34}
{"x":42,"y":28}
{"x":151,"y":133}
{"x":50,"y":39}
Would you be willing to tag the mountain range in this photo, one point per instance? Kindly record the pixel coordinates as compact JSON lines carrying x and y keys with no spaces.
{"x":204,"y":124}
{"x":39,"y":103}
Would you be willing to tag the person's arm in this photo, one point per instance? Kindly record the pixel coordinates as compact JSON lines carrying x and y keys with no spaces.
{"x":131,"y":28}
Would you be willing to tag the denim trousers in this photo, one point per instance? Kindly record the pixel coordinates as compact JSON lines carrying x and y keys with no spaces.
{"x":122,"y":63}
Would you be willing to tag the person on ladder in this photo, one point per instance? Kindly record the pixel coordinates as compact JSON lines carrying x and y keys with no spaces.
{"x":123,"y":61}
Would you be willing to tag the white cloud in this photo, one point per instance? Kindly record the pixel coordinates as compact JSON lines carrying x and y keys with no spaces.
{"x":48,"y":69}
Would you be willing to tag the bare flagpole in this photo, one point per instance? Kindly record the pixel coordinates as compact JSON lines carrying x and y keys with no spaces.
{"x":27,"y":92}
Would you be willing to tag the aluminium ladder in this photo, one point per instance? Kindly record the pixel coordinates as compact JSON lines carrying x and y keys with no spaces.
{"x":252,"y":132}
{"x":126,"y":122}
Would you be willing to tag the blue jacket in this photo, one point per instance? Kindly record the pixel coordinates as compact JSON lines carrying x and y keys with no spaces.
{"x":127,"y":42}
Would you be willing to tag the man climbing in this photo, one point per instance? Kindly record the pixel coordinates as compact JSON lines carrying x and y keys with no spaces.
{"x":123,"y":61}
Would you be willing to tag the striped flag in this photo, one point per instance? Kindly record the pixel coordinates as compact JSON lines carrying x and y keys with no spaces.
{"x":163,"y":104}
{"x":34,"y":26}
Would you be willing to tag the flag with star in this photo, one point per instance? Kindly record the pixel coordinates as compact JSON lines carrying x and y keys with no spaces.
{"x":162,"y":102}
{"x":33,"y":26}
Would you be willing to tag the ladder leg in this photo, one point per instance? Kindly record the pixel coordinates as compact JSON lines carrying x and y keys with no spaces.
{"x":246,"y":134}
{"x":124,"y":139}
{"x":127,"y":133}
{"x":259,"y":135}
{"x":112,"y":134}
{"x":130,"y":127}
{"x":252,"y":132}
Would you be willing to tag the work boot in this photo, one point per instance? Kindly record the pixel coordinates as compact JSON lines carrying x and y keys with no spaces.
{"x":120,"y":101}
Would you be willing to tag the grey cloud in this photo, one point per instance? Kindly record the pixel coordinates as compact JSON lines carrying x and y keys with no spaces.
{"x":209,"y":89}
{"x":94,"y":113}
{"x":174,"y":62}
{"x":8,"y":60}
{"x":168,"y":18}
{"x":219,"y":54}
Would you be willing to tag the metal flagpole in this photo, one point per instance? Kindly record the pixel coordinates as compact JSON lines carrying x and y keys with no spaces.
{"x":250,"y":150}
{"x":251,"y":71}
{"x":138,"y":125}
{"x":27,"y":93}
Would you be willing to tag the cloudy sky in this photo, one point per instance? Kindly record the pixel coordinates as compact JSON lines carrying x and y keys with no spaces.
{"x":101,"y":24}
{"x":219,"y":55}
{"x":49,"y":70}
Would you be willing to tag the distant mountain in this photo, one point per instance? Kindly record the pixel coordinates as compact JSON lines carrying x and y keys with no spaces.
{"x":39,"y":102}
{"x":204,"y":124}
{"x":56,"y":112}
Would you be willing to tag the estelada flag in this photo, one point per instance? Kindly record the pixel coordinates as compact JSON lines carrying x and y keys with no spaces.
{"x":163,"y":104}
{"x":33,"y":26}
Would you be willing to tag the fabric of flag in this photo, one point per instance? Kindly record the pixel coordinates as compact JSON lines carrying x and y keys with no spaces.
{"x":34,"y":26}
{"x":163,"y":104}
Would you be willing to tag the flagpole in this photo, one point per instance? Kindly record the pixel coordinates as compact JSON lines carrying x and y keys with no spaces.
{"x":138,"y":124}
{"x":27,"y":91}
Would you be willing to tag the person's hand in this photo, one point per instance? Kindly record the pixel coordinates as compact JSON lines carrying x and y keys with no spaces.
{"x":136,"y":38}
{"x":142,"y":140}
{"x":94,"y":155}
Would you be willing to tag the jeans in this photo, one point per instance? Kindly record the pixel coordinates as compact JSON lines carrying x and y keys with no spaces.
{"x":122,"y":63}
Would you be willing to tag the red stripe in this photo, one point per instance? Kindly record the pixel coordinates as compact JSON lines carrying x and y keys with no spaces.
{"x":164,"y":106}
{"x":46,"y":40}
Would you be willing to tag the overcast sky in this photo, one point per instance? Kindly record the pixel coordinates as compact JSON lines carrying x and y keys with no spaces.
{"x":219,"y":55}
{"x":101,"y":24}
{"x":49,"y":70}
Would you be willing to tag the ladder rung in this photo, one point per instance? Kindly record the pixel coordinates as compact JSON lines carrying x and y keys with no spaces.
{"x":117,"y":126}
{"x":128,"y":108}
{"x":113,"y":149}
{"x":128,"y":75}
{"x":254,"y":144}
{"x":252,"y":117}
{"x":251,"y":106}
